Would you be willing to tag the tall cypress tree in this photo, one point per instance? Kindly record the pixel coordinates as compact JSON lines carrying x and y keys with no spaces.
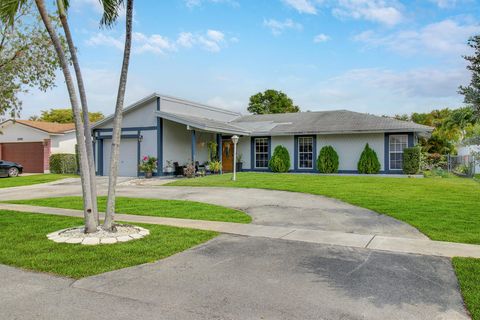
{"x":471,"y":92}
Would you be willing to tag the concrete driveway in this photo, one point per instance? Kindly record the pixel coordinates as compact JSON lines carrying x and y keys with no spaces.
{"x":235,"y":277}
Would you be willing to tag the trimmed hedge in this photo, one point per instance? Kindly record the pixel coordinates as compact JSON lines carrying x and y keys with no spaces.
{"x":63,"y":163}
{"x":327,"y":161}
{"x":280,"y":160}
{"x":411,"y":160}
{"x":368,"y":162}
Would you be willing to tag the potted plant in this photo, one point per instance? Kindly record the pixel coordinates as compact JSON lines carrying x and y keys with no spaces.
{"x":189,"y":171}
{"x":148,"y":165}
{"x":215,"y":166}
{"x":239,"y":162}
{"x":169,"y":167}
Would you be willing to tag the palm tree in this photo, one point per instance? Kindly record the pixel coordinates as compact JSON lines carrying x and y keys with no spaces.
{"x":62,"y":12}
{"x":90,"y":222}
{"x":108,"y":19}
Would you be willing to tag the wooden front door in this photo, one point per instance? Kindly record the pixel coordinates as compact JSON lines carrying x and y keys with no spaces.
{"x":227,"y":155}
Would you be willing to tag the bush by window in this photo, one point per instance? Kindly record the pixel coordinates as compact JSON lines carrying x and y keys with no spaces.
{"x":280,"y":161}
{"x":368,"y":162}
{"x":327,"y":161}
{"x":411,"y":160}
{"x":63,"y":163}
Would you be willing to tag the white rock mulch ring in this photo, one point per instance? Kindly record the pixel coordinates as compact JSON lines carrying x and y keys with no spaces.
{"x":124,"y":233}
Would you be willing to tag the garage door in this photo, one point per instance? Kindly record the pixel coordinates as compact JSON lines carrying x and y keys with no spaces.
{"x":28,"y":154}
{"x":128,"y":157}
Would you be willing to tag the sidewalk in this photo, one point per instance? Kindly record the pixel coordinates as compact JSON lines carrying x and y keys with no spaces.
{"x":369,"y":241}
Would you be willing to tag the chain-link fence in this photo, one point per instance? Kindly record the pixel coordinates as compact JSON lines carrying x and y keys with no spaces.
{"x":466,"y":165}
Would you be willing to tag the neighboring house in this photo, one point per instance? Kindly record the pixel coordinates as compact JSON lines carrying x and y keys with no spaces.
{"x":179,"y":130}
{"x":31,"y":143}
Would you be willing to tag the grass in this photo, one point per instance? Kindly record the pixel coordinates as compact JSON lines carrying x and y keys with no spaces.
{"x":151,"y":207}
{"x":443,"y":209}
{"x":23,"y":243}
{"x":33,"y":179}
{"x":468,"y":274}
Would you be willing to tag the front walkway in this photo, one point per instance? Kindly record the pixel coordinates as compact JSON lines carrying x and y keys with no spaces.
{"x":369,"y":241}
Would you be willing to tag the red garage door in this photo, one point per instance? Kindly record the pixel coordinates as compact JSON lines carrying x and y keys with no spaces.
{"x":28,"y":154}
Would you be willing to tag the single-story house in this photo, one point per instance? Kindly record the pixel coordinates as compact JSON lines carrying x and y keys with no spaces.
{"x":177,"y":130}
{"x":31,"y":143}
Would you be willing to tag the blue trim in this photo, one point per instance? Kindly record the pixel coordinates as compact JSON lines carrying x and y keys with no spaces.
{"x":138,"y":154}
{"x":160,"y":145}
{"x":100,"y":157}
{"x":252,"y":153}
{"x":123,"y":136}
{"x":194,"y":146}
{"x":128,"y":129}
{"x":410,"y":143}
{"x":220,"y":150}
{"x":295,"y":154}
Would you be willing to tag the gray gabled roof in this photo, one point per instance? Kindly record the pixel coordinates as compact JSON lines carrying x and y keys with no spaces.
{"x":203,"y":123}
{"x":325,"y":122}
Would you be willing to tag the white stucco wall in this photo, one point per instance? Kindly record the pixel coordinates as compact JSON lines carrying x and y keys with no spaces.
{"x":186,"y":108}
{"x":142,"y":116}
{"x":64,"y":143}
{"x":287,"y":142}
{"x":176,"y":143}
{"x":243,"y":146}
{"x":16,"y":132}
{"x":350,"y":146}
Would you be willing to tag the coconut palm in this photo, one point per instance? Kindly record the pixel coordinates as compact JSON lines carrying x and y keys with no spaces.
{"x":110,"y":16}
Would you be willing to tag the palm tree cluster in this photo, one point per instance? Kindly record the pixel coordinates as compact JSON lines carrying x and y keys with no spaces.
{"x":111,"y":10}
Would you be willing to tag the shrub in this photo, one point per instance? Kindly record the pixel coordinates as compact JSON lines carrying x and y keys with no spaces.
{"x":148,"y":164}
{"x":368,"y":162}
{"x":280,"y":161}
{"x":411,"y":160}
{"x":63,"y":163}
{"x":327,"y":161}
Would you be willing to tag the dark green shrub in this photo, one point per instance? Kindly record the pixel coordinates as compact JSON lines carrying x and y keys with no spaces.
{"x":280,"y":161}
{"x":63,"y":163}
{"x":327,"y":161}
{"x":368,"y":162}
{"x":411,"y":160}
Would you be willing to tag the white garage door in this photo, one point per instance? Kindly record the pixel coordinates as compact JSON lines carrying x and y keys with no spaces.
{"x":128,"y":157}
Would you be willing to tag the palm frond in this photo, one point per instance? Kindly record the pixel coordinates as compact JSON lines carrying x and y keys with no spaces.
{"x":9,"y":9}
{"x":111,"y":11}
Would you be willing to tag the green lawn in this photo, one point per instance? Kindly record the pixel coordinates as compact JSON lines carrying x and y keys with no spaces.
{"x":151,"y":207}
{"x":442,"y":208}
{"x":33,"y":179}
{"x":468,"y":274}
{"x":23,"y":243}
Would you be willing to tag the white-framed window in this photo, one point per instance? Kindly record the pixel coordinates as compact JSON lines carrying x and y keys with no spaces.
{"x":261,"y":153}
{"x":305,"y":152}
{"x":396,"y":144}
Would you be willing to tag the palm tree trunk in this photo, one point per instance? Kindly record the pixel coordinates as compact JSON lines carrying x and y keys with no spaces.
{"x":90,"y":222}
{"x":83,"y":101}
{"x":117,"y":123}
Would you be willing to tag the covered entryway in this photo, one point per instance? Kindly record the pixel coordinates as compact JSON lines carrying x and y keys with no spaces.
{"x":29,"y":154}
{"x":128,"y":164}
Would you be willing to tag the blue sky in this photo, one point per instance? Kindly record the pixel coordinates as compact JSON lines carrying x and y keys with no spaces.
{"x":375,"y":56}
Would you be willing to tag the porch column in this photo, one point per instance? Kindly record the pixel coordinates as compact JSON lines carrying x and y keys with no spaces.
{"x":219,"y":148}
{"x":194,"y":146}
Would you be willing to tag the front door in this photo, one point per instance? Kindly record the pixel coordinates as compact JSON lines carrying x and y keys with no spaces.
{"x":227,"y":155}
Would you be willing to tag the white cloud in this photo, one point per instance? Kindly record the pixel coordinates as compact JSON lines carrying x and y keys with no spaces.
{"x":101,"y":39}
{"x":440,"y":38}
{"x":321,"y":38}
{"x":445,"y":4}
{"x":197,"y":3}
{"x":277,"y":27}
{"x":302,"y":6}
{"x":211,"y":40}
{"x":383,"y":11}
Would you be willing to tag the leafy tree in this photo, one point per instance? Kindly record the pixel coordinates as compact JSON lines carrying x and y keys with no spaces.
{"x":64,"y":116}
{"x":327,"y":161}
{"x":471,"y":92}
{"x":271,"y":101}
{"x":368,"y":162}
{"x":280,"y":160}
{"x":27,"y":58}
